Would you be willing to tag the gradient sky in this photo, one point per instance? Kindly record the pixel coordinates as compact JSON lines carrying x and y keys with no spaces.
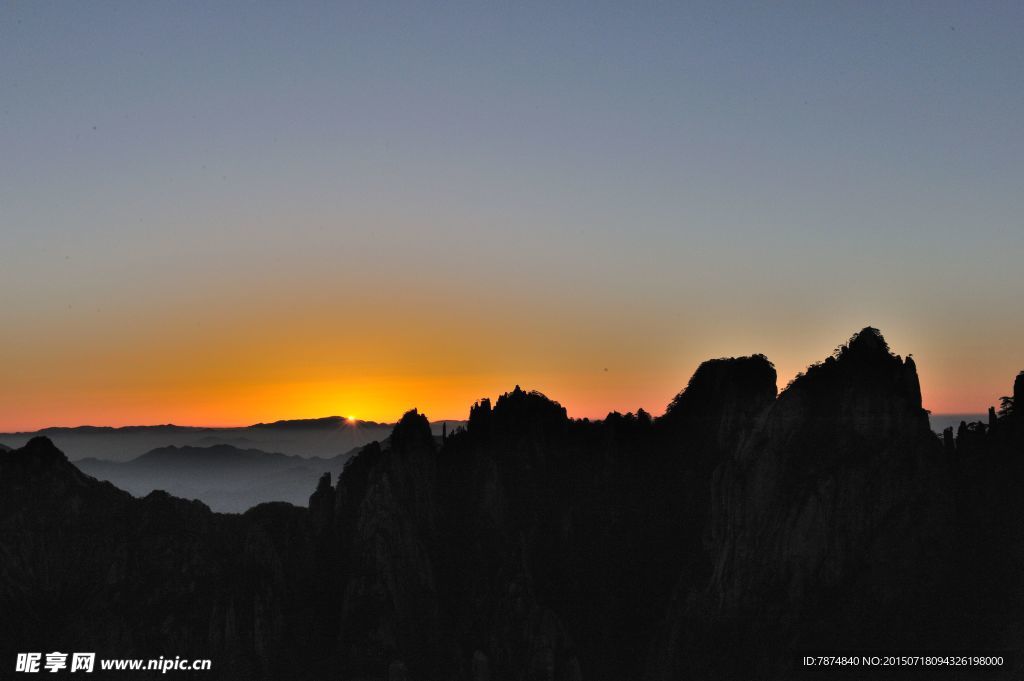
{"x":221,"y":213}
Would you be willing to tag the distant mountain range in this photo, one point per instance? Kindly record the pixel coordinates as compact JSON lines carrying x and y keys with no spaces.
{"x":224,"y":477}
{"x":940,"y":422}
{"x":323,"y":437}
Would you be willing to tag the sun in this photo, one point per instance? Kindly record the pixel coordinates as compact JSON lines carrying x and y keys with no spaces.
{"x":350,"y":419}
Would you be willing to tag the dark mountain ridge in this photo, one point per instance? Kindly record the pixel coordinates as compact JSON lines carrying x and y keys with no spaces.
{"x":224,"y":477}
{"x":327,"y":423}
{"x":326,"y":437}
{"x":214,"y":454}
{"x":712,"y":542}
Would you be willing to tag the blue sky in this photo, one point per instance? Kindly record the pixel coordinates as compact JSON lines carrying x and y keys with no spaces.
{"x":568,"y":184}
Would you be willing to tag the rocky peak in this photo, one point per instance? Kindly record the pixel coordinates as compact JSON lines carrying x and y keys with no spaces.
{"x":480,"y":416}
{"x":722,"y":384}
{"x":412,"y":432}
{"x":829,"y":481}
{"x":864,"y":385}
{"x":720,"y":401}
{"x":520,"y":409}
{"x":517,"y":413}
{"x":43,"y":450}
{"x":867,"y":342}
{"x":39,"y":457}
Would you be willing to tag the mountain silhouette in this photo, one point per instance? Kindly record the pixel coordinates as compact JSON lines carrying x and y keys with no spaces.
{"x":324,"y":437}
{"x":325,"y":423}
{"x":714,"y":542}
{"x":224,"y":477}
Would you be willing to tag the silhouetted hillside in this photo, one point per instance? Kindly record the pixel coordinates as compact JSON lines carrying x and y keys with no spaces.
{"x":325,"y":423}
{"x":325,"y":438}
{"x":87,"y":567}
{"x":714,"y":542}
{"x":825,"y":526}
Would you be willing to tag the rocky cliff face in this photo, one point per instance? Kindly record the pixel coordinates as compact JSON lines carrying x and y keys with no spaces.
{"x":835,"y":525}
{"x":720,"y":404}
{"x":389,"y":609}
{"x":528,"y":545}
{"x":842,"y":464}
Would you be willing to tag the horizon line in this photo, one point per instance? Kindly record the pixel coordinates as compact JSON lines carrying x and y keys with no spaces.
{"x":343,"y":418}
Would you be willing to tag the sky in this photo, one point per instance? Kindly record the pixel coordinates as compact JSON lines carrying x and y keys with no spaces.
{"x":223,"y":213}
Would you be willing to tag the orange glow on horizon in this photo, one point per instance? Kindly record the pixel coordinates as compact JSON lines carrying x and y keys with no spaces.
{"x":383,"y":400}
{"x":239,"y":370}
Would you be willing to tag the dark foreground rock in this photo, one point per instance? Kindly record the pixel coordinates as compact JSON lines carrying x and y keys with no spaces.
{"x":710,"y":543}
